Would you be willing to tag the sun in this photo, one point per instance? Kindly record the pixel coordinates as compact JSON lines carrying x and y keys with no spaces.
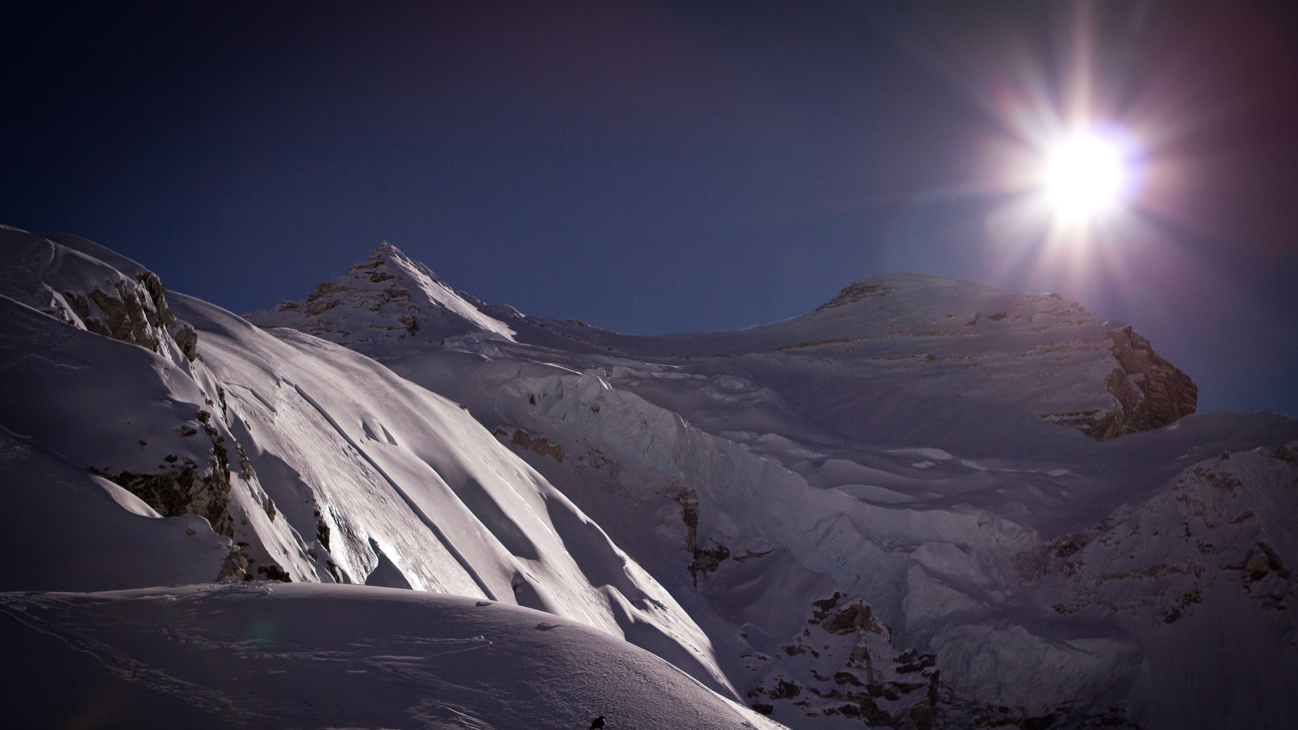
{"x":1087,"y":174}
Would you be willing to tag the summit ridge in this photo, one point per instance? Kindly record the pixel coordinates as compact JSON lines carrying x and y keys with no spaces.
{"x":388,"y":298}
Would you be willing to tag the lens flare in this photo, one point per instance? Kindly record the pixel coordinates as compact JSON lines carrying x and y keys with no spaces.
{"x":1087,"y":175}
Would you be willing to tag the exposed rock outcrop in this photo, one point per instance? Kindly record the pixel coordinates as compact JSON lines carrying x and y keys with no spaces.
{"x":138,"y":314}
{"x":855,"y":292}
{"x":115,"y":297}
{"x":187,"y":489}
{"x":1148,"y":391}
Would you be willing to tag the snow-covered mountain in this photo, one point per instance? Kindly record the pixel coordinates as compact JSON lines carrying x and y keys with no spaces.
{"x":884,"y":348}
{"x":149,"y":439}
{"x":910,"y":507}
{"x":926,"y":504}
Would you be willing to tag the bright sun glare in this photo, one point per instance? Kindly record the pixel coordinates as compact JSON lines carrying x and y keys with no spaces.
{"x":1087,"y":175}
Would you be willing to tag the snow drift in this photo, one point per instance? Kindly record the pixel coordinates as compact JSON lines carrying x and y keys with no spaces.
{"x":271,"y":655}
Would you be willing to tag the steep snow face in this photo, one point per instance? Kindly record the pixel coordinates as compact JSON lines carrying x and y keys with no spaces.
{"x":384,"y":300}
{"x":288,"y":459}
{"x":270,"y":655}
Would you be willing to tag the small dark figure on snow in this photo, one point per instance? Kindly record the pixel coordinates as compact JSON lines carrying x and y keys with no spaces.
{"x":597,"y":723}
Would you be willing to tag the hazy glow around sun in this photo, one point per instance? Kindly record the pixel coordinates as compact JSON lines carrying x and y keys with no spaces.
{"x":1087,"y":174}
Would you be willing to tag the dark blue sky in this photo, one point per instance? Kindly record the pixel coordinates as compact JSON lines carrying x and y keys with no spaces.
{"x":663,"y":167}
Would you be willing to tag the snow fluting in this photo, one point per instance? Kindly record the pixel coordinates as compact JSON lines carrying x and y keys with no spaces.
{"x":926,"y":504}
{"x":287,"y":459}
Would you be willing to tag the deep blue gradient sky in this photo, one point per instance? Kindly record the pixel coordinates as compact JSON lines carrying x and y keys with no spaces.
{"x":663,"y":167}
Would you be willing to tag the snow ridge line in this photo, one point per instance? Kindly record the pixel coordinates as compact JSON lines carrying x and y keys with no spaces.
{"x":437,"y":532}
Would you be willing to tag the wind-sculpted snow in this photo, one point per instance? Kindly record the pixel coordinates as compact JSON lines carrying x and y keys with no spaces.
{"x":362,"y":455}
{"x":289,"y":656}
{"x":737,"y":530}
{"x":287,"y":459}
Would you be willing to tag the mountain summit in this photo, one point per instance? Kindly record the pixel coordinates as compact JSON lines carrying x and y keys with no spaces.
{"x":386,"y":300}
{"x":901,"y":343}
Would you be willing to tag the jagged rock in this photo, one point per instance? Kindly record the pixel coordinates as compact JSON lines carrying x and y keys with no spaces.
{"x":187,"y":340}
{"x":183,"y":491}
{"x":112,"y":296}
{"x":540,"y":445}
{"x":274,"y":572}
{"x":851,"y":618}
{"x":1148,"y":392}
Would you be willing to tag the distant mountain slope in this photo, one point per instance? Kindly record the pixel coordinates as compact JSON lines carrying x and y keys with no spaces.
{"x":885,"y":347}
{"x":387,"y":300}
{"x":878,"y":511}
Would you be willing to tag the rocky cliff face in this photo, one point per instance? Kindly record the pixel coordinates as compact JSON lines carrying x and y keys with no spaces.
{"x":1148,"y":392}
{"x":61,"y":275}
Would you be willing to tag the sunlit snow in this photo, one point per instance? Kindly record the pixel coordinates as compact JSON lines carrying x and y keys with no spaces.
{"x":929,"y":503}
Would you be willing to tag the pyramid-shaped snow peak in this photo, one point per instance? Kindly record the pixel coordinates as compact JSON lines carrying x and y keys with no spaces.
{"x":382,"y":301}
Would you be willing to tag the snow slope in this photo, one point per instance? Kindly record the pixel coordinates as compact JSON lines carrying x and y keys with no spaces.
{"x":301,"y":655}
{"x":861,"y":506}
{"x":926,"y":504}
{"x":127,"y":464}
